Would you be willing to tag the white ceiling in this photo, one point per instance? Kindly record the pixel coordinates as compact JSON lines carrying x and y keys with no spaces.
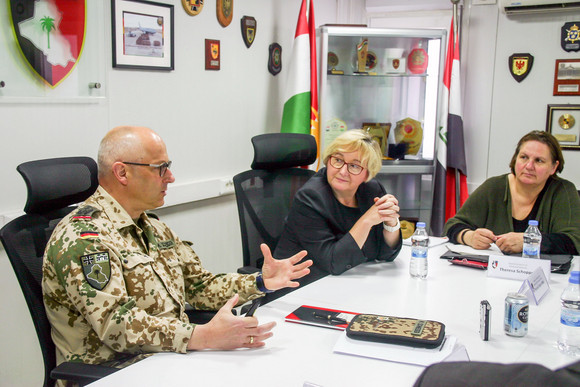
{"x":406,"y":5}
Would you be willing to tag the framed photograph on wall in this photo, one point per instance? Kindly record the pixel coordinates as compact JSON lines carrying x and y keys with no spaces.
{"x":142,"y":35}
{"x":564,"y":123}
{"x":567,"y":77}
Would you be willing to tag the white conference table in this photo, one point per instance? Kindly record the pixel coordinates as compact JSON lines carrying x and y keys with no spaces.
{"x":302,"y":355}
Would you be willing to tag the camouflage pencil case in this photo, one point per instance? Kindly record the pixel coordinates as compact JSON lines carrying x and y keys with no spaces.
{"x":396,"y":330}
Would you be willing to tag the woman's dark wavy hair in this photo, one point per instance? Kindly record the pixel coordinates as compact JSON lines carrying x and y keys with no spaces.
{"x":544,"y":138}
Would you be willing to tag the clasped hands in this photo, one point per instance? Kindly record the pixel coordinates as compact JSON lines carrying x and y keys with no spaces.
{"x":482,"y":238}
{"x":227,"y":331}
{"x":386,"y":209}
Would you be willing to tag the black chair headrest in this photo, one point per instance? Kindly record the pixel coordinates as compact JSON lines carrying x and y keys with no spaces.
{"x":283,"y":150}
{"x":57,"y":183}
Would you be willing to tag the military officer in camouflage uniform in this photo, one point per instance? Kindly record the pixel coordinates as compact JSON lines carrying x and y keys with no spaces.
{"x":116,"y":280}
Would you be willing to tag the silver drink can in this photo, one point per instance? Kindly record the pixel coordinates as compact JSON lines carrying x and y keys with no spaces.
{"x":516,"y":314}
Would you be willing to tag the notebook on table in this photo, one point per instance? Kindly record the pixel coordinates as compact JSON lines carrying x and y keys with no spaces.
{"x":560,"y":262}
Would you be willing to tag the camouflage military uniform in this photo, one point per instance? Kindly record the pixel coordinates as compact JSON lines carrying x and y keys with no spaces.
{"x":113,"y":286}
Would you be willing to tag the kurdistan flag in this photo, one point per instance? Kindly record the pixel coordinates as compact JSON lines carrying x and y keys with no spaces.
{"x":301,"y":95}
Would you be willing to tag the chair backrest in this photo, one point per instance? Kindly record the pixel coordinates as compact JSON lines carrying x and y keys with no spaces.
{"x":53,"y":186}
{"x":265,"y":193}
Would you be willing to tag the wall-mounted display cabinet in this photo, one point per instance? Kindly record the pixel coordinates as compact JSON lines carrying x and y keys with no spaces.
{"x":395,"y":93}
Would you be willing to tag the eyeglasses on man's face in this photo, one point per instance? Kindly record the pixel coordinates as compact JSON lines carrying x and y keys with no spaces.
{"x":163,"y":167}
{"x":352,"y":168}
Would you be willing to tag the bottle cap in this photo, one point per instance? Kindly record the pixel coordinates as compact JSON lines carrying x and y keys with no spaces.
{"x":533,"y":223}
{"x":420,"y":224}
{"x":574,"y":277}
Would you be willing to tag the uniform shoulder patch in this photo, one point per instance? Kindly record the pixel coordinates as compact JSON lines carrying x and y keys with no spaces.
{"x":97,"y":269}
{"x":85,"y":212}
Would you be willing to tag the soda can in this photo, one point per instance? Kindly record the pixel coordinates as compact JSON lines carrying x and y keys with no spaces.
{"x":516,"y":314}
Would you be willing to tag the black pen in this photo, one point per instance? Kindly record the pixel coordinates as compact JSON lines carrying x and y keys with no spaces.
{"x":331,"y":319}
{"x":442,"y":344}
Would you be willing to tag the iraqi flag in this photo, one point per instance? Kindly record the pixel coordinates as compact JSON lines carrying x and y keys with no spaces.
{"x":450,"y":189}
{"x":301,"y":95}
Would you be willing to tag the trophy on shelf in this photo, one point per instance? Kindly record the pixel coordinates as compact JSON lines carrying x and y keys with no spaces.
{"x":410,"y":132}
{"x":361,"y":56}
{"x":379,"y":132}
{"x":333,"y":128}
{"x":418,"y":60}
{"x":394,"y":62}
{"x":332,"y":63}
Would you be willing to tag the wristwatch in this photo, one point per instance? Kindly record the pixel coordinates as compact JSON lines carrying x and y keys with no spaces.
{"x":393,"y":228}
{"x":260,"y":284}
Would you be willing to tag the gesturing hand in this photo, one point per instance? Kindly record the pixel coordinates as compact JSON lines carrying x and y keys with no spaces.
{"x":280,"y":273}
{"x":226,"y":331}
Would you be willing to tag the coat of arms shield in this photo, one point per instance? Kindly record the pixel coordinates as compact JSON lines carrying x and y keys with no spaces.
{"x":50,"y":35}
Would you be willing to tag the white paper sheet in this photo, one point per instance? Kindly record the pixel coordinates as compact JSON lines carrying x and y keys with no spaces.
{"x":493,"y":249}
{"x":400,"y":353}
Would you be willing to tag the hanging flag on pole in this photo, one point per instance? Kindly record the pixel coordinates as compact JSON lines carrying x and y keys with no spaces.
{"x":450,"y":188}
{"x":314,"y":124}
{"x":300,"y":113}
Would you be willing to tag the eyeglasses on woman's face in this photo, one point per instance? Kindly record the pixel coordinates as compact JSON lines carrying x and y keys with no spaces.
{"x":352,"y":168}
{"x":163,"y":167}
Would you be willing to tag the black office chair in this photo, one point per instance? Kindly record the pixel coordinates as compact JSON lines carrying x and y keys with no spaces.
{"x":264,"y":194}
{"x":53,"y":186}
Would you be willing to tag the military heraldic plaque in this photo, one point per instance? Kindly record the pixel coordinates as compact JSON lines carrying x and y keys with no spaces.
{"x":212,"y":54}
{"x":567,"y":77}
{"x":225,"y":11}
{"x":192,"y":7}
{"x":249,"y":25}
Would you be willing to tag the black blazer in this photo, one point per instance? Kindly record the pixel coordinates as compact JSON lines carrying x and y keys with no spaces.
{"x":319,"y":223}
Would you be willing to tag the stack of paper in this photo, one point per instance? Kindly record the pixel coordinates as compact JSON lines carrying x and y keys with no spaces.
{"x":448,"y":351}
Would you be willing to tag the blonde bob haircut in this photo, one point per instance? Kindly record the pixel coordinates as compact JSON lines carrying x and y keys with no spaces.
{"x":357,"y":140}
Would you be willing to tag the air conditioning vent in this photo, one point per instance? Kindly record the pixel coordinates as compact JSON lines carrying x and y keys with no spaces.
{"x":511,"y":7}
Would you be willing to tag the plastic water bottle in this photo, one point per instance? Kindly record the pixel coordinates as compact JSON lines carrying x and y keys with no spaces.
{"x":532,"y":240}
{"x":569,"y":338}
{"x":419,"y":246}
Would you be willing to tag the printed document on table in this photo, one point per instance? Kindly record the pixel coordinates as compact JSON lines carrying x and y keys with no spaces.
{"x":463,"y":249}
{"x":400,"y":353}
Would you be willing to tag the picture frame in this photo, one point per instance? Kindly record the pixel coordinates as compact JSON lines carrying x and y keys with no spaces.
{"x":563,"y":122}
{"x":143,"y":35}
{"x":567,"y":77}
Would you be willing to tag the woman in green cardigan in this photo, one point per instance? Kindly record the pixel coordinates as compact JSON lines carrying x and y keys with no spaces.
{"x":498,"y":211}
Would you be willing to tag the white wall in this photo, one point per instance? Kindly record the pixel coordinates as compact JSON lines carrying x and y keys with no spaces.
{"x":518,"y":108}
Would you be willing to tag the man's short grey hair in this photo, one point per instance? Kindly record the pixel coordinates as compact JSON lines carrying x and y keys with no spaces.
{"x":120,"y":144}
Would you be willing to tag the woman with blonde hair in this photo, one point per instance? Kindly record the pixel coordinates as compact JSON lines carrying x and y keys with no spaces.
{"x":343,"y":216}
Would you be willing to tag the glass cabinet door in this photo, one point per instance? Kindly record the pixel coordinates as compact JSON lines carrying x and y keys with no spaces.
{"x":394,"y":94}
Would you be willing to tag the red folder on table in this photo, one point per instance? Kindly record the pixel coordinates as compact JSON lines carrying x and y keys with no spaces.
{"x":321,"y":317}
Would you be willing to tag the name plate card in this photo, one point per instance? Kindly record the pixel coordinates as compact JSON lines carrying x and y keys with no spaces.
{"x":536,"y":286}
{"x":516,"y":268}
